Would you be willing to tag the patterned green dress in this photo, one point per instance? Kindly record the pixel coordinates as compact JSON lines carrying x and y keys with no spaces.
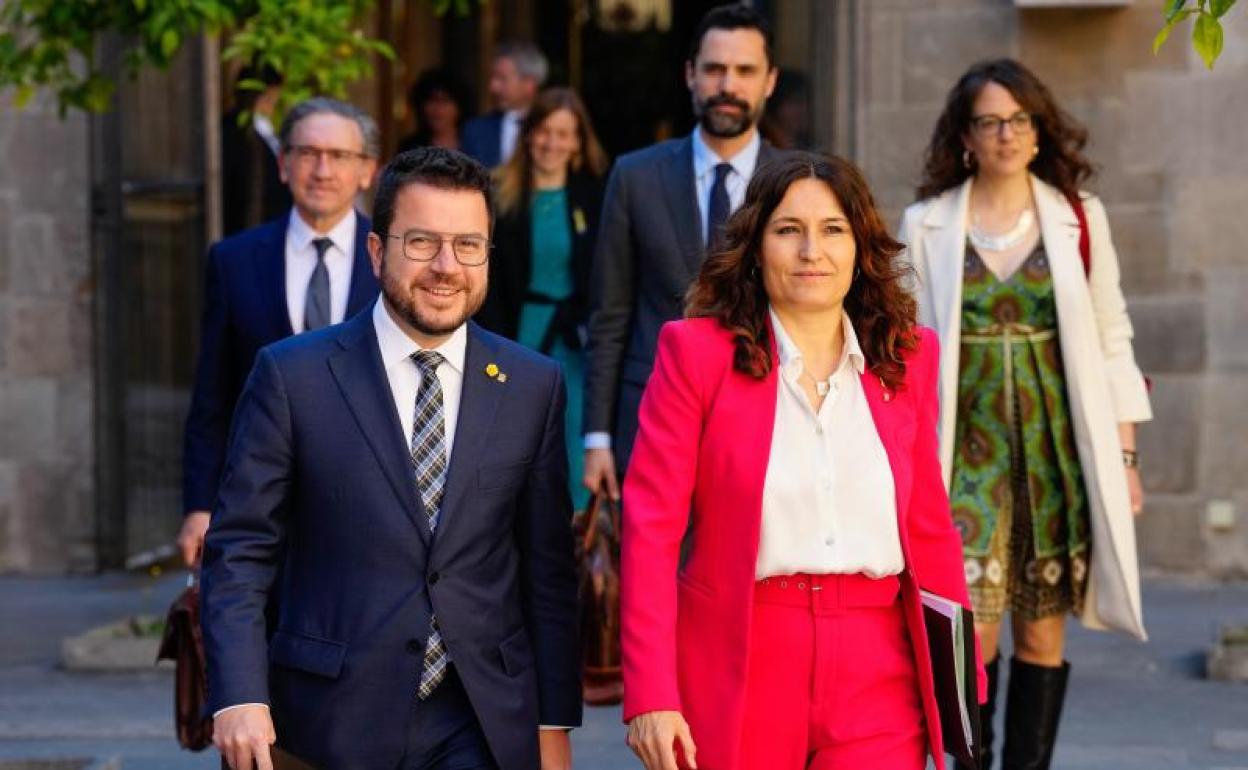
{"x":1017,"y":489}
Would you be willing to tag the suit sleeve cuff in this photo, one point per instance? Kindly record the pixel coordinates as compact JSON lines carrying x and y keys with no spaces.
{"x":598,"y":439}
{"x":219,"y":712}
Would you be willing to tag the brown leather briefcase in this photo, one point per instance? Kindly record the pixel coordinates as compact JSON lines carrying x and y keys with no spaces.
{"x":184,"y":643}
{"x":598,"y":544}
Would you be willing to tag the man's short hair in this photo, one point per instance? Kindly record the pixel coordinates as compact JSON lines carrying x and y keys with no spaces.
{"x":733,"y":16}
{"x":320,"y":105}
{"x":529,"y":60}
{"x":434,"y":166}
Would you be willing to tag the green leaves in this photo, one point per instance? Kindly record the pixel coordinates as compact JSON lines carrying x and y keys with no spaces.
{"x":1207,"y":38}
{"x":1164,"y":34}
{"x":1207,"y":34}
{"x":318,"y":46}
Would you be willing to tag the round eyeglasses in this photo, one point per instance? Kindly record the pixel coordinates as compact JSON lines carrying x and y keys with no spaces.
{"x":424,"y":245}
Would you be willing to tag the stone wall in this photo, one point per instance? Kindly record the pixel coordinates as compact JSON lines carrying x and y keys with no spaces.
{"x":1170,"y":140}
{"x":47,"y":514}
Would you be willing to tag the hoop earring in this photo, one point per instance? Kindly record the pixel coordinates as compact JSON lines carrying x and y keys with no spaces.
{"x":967,"y":158}
{"x":857,"y":274}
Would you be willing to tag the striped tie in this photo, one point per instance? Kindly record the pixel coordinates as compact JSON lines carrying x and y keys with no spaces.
{"x":429,"y":463}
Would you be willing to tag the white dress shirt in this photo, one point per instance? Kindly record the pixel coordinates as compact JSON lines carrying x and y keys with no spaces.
{"x":829,"y":504}
{"x":404,"y":376}
{"x":704,"y":162}
{"x":301,"y":261}
{"x":508,"y":135}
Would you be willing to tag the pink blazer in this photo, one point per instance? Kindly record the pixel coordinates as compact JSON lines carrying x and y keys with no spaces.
{"x":699,"y":461}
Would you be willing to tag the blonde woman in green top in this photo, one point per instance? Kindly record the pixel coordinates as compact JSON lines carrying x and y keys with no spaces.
{"x":549,"y":195}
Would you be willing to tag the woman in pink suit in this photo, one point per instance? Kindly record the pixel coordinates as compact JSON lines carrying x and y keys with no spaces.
{"x":789,"y":431}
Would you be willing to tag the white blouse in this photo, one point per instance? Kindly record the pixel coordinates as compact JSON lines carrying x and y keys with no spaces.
{"x":829,"y":504}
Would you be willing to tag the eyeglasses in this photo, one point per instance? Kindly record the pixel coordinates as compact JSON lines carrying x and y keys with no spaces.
{"x":307,"y":155}
{"x":424,"y":246}
{"x":990,"y":125}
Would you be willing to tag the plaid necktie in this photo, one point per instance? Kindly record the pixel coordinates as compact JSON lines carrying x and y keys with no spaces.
{"x":316,"y":311}
{"x":429,"y":463}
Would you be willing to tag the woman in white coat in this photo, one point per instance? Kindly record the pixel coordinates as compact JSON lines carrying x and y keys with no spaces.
{"x":1040,"y":392}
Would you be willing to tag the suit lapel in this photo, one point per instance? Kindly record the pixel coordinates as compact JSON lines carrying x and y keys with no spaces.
{"x":270,"y":262}
{"x":361,"y":377}
{"x":680,"y":192}
{"x":478,"y":405}
{"x":893,"y":414}
{"x":363,"y":283}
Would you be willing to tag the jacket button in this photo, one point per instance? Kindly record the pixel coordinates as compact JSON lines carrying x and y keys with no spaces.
{"x":433,"y":578}
{"x":413,"y":646}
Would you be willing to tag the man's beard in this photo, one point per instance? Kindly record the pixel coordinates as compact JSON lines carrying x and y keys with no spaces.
{"x":400,"y":297}
{"x":724,"y":125}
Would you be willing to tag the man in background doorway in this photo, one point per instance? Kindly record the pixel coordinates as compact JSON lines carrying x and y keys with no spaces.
{"x":517,"y":74}
{"x":252,"y":190}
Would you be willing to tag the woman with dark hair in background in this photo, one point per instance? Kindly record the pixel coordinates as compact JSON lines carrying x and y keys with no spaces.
{"x":1040,"y":392}
{"x":790,"y":426}
{"x":548,"y":198}
{"x":439,"y":105}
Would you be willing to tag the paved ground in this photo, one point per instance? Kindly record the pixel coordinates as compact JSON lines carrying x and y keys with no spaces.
{"x":1142,"y":707}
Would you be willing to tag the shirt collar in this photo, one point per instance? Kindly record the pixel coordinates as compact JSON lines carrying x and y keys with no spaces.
{"x":300,"y":234}
{"x":705,"y":159}
{"x":396,"y":346}
{"x":791,"y":357}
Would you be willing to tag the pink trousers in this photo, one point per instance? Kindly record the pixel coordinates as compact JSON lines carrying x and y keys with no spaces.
{"x":831,"y":682}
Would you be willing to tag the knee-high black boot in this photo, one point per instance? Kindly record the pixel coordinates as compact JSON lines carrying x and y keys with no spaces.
{"x":1032,"y":710}
{"x":986,"y":711}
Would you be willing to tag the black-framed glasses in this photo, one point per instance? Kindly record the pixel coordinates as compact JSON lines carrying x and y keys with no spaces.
{"x":307,"y":155}
{"x":424,"y":245}
{"x":990,"y":125}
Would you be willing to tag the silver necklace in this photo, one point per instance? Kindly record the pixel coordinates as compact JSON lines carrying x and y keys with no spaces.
{"x":822,"y":387}
{"x":1005,"y":241}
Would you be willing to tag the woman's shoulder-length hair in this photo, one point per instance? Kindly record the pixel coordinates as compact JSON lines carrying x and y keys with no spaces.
{"x":730,"y":286}
{"x":1060,"y":138}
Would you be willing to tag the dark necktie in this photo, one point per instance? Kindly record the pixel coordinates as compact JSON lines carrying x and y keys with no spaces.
{"x":316,"y":309}
{"x":428,"y":450}
{"x":720,"y":207}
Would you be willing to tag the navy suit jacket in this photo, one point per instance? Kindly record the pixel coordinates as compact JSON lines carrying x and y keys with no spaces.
{"x":318,"y":471}
{"x":244,"y":310}
{"x":481,"y":138}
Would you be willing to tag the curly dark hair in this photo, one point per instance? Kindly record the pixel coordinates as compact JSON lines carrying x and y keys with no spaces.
{"x":1059,"y":137}
{"x":730,"y":287}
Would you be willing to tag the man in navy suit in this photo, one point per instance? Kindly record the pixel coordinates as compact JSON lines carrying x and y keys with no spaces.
{"x":407,"y":469}
{"x":518,"y":72}
{"x":303,"y":271}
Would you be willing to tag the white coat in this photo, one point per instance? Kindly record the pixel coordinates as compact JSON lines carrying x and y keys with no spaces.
{"x":1104,"y":383}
